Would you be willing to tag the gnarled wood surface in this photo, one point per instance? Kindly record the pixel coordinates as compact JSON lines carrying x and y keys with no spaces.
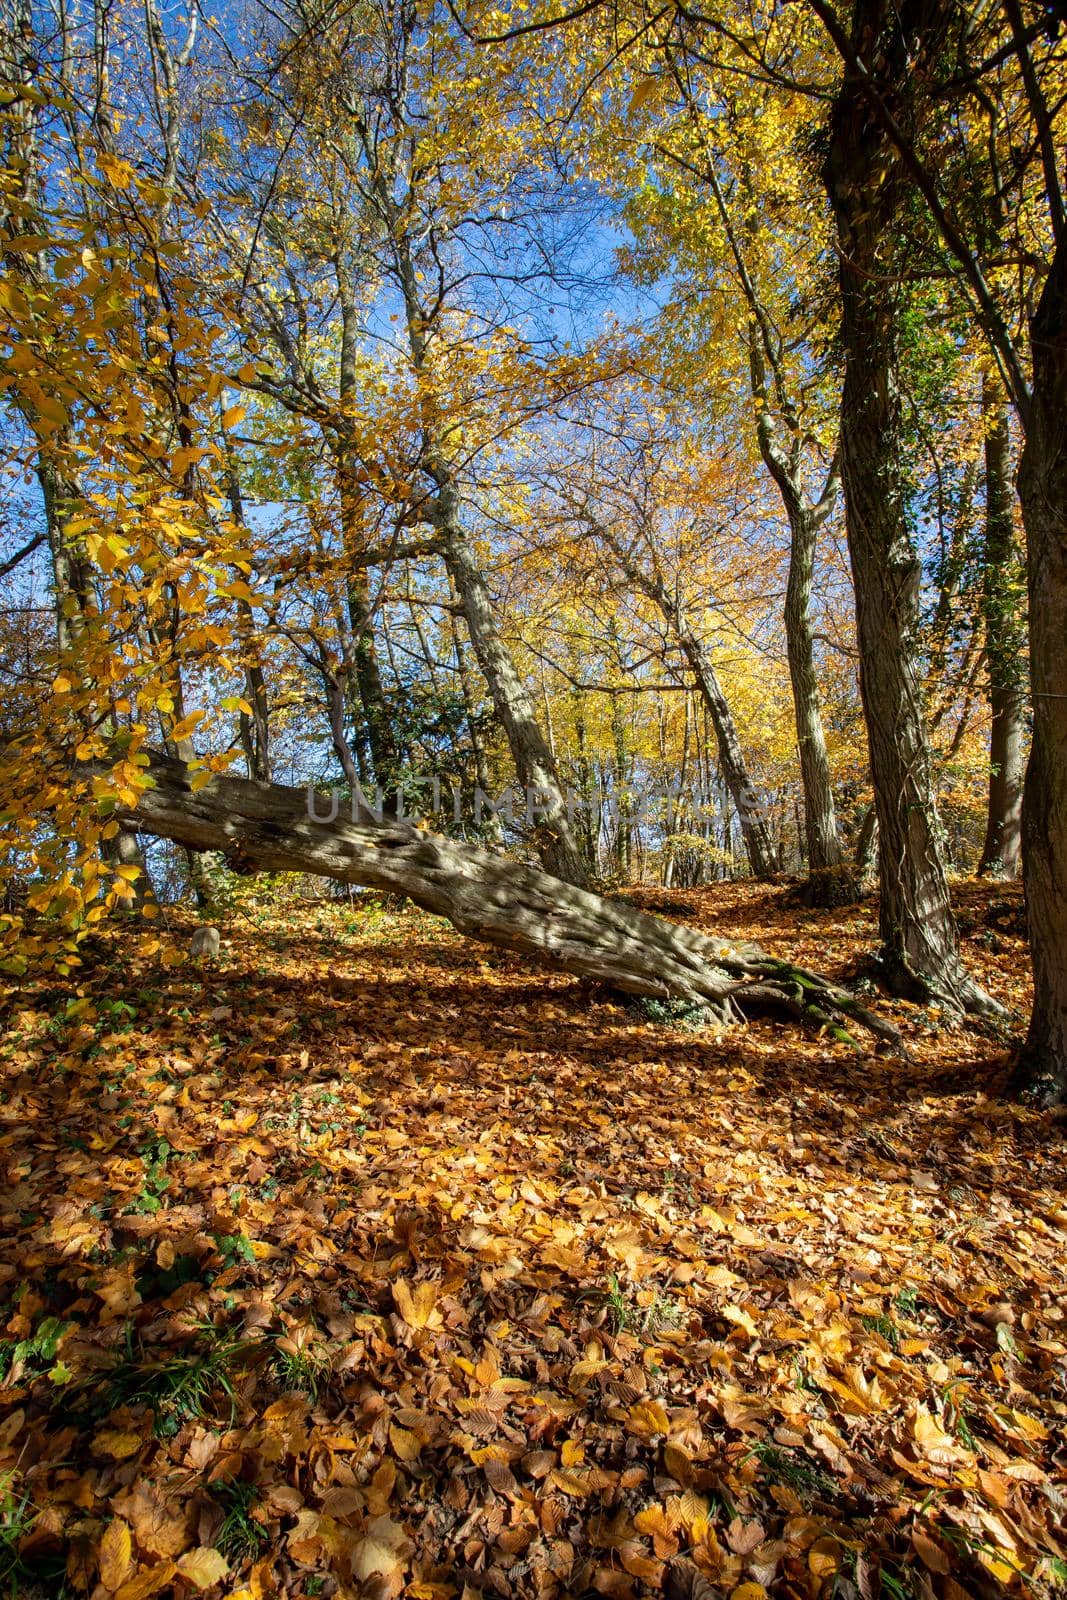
{"x":267,"y":827}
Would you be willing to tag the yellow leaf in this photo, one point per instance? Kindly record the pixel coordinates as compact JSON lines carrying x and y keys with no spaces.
{"x":147,"y":1583}
{"x":571,"y":1483}
{"x":233,"y":414}
{"x":933,"y":1441}
{"x":27,"y":243}
{"x":642,"y":94}
{"x":742,"y":1319}
{"x":203,"y":1566}
{"x":116,"y":1553}
{"x":119,"y":173}
{"x":117,"y":1443}
{"x":824,"y":1557}
{"x":417,"y":1309}
{"x":406,"y":1444}
{"x":647,"y":1418}
{"x":382,"y":1553}
{"x":183,"y":729}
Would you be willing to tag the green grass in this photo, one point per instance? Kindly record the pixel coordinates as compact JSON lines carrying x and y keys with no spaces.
{"x":182,"y":1386}
{"x":16,"y":1520}
{"x":241,"y":1536}
{"x":303,"y":1368}
{"x":17,"y":1517}
{"x":627,"y":1315}
{"x":794,"y":1469}
{"x":887,"y":1330}
{"x":688,"y":1016}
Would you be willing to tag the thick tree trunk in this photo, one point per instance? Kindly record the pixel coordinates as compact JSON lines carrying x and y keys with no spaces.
{"x":868,"y":193}
{"x":1043,"y":494}
{"x":136,"y":899}
{"x":270,"y":828}
{"x":1005,"y":643}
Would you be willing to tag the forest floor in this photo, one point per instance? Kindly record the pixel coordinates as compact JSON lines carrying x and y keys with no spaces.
{"x":364,"y":1262}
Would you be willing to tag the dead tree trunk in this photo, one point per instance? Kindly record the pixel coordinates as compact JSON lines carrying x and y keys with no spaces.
{"x":265,"y":827}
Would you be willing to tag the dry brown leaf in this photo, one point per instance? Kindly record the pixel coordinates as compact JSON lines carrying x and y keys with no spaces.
{"x":685,"y":1581}
{"x":381,"y":1552}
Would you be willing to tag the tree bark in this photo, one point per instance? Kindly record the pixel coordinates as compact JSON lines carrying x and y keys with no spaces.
{"x":868,"y":194}
{"x":759,"y":846}
{"x":1005,"y":648}
{"x":830,"y":880}
{"x":136,"y":899}
{"x":535,"y":764}
{"x":385,"y":754}
{"x":1043,"y":495}
{"x":265,"y":827}
{"x":254,"y":725}
{"x":866,"y":852}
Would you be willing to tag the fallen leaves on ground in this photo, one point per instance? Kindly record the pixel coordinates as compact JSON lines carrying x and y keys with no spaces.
{"x":366,"y":1264}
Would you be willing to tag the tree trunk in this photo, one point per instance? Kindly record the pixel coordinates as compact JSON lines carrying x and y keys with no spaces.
{"x":759,"y":846}
{"x":866,"y":852}
{"x":583,"y":777}
{"x":136,"y":899}
{"x":265,"y":827}
{"x":546,"y":804}
{"x":1005,"y":645}
{"x":385,"y":755}
{"x":830,"y":880}
{"x":1043,"y":494}
{"x":868,"y":194}
{"x":254,"y":725}
{"x":544,"y":797}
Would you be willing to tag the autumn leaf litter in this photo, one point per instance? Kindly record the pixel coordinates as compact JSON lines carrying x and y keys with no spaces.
{"x":365,"y":1263}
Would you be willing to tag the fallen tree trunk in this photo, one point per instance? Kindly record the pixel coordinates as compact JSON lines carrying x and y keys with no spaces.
{"x":265,"y":827}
